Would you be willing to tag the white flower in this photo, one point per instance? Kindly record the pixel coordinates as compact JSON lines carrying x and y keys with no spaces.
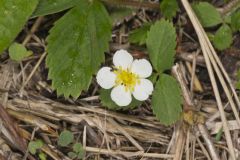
{"x":127,"y":78}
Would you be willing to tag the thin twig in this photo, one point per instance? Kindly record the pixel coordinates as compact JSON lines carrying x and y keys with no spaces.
{"x":127,"y":154}
{"x":32,"y":137}
{"x":203,"y":148}
{"x":33,"y":29}
{"x":208,"y":141}
{"x":133,"y":141}
{"x":33,"y":71}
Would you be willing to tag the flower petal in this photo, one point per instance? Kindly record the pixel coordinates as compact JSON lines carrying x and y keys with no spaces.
{"x":143,"y":90}
{"x":106,"y":78}
{"x":142,"y":67}
{"x":120,"y":96}
{"x":122,"y":59}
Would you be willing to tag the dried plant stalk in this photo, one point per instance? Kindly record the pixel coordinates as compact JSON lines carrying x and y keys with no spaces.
{"x":210,"y":57}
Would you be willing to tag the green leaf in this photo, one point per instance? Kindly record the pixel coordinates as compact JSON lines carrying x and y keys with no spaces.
{"x":223,"y":37}
{"x":46,"y":7}
{"x":76,"y":47}
{"x":77,"y":147}
{"x":33,"y":146}
{"x":169,"y":8}
{"x":139,"y":35}
{"x":235,"y":21}
{"x":65,"y":138}
{"x":161,"y":44}
{"x":207,"y":14}
{"x":18,"y":52}
{"x":110,"y":104}
{"x":79,"y":150}
{"x":14,"y":14}
{"x":167,"y":100}
{"x":219,"y":134}
{"x":72,"y":155}
{"x":42,"y":156}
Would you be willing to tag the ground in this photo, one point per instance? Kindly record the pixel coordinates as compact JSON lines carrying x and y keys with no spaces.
{"x":30,"y":109}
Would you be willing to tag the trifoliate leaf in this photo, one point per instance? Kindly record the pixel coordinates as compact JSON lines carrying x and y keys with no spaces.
{"x":161,"y":44}
{"x":14,"y":14}
{"x":223,"y":37}
{"x":139,"y":35}
{"x":169,"y":8}
{"x":207,"y":14}
{"x":167,"y":100}
{"x":18,"y":52}
{"x":65,"y":138}
{"x":33,"y":146}
{"x":46,"y":7}
{"x":76,"y":47}
{"x":105,"y":97}
{"x":235,"y":21}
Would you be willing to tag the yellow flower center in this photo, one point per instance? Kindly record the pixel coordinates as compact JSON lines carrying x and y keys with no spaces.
{"x":126,"y":78}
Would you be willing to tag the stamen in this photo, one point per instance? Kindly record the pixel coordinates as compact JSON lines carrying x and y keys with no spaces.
{"x":126,"y":78}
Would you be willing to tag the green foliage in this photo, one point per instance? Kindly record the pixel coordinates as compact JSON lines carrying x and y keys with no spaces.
{"x":46,"y":7}
{"x":14,"y":14}
{"x":77,"y":148}
{"x":18,"y":52}
{"x":42,"y":156}
{"x":169,"y":8}
{"x":110,"y":104}
{"x":78,"y":151}
{"x":139,"y":35}
{"x":219,"y":134}
{"x":166,"y":100}
{"x":76,"y":47}
{"x":207,"y":14}
{"x":65,"y":138}
{"x":223,"y":37}
{"x":33,"y":146}
{"x":161,"y":44}
{"x":235,"y":21}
